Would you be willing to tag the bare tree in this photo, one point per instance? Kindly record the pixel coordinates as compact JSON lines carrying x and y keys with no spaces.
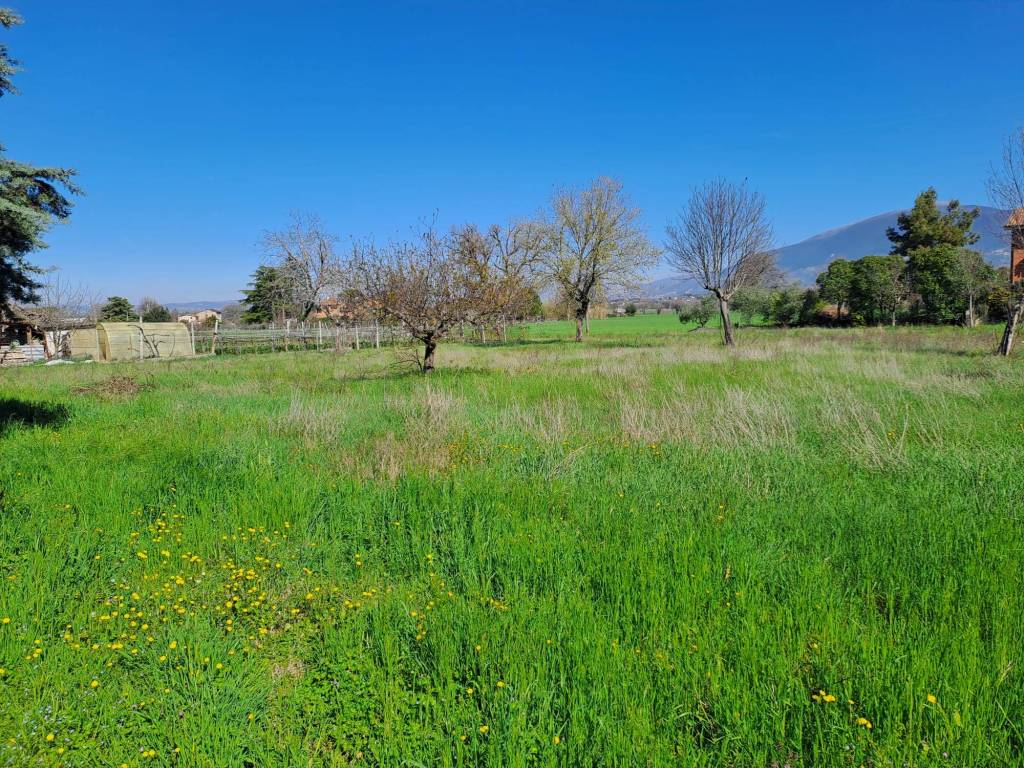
{"x":595,"y":242}
{"x":307,"y":268}
{"x":1006,"y":190}
{"x":437,"y":281}
{"x":722,"y":240}
{"x":62,"y":307}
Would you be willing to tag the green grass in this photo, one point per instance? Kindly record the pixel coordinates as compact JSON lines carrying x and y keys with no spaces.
{"x":666,"y":322}
{"x":642,"y":550}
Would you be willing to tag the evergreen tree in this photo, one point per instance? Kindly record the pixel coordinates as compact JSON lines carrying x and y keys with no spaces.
{"x":32,"y":199}
{"x":931,"y":243}
{"x":152,"y":311}
{"x":263,"y":298}
{"x":117,"y":310}
{"x":924,"y":226}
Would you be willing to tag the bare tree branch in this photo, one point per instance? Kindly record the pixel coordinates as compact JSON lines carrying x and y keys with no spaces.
{"x":307,"y":268}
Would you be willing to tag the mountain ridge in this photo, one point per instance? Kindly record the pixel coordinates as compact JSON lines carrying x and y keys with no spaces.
{"x":807,"y":258}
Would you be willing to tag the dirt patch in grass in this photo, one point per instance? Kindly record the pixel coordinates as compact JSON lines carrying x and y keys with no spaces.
{"x":120,"y":387}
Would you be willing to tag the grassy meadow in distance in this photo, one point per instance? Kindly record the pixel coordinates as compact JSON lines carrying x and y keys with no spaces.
{"x":644,"y":550}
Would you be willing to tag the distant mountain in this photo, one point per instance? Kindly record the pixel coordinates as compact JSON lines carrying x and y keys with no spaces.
{"x":805,"y":260}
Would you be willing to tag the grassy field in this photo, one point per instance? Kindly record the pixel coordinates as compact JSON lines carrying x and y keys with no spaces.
{"x":640,"y":551}
{"x":623,"y":327}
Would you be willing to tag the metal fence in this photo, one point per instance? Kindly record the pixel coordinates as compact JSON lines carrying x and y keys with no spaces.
{"x":315,"y":336}
{"x":321,"y":336}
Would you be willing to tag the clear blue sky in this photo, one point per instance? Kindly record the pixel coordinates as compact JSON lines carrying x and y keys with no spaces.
{"x":197,"y":125}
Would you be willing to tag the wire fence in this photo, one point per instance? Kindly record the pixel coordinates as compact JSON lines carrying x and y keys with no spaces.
{"x":323,"y":337}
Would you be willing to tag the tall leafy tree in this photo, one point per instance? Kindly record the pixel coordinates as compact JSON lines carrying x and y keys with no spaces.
{"x":878,"y":288}
{"x":834,"y":285}
{"x":596,"y":242}
{"x":938,"y":279}
{"x":32,"y":199}
{"x":117,"y":310}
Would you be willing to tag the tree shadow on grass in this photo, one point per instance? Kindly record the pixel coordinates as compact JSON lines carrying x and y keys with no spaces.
{"x":15,"y":414}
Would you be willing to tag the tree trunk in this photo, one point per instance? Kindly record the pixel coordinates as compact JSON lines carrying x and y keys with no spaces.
{"x":1012,"y":322}
{"x":429,"y":347}
{"x":581,"y":315}
{"x":723,"y":308}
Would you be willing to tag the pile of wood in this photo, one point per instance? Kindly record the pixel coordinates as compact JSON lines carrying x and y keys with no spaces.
{"x":21,"y":354}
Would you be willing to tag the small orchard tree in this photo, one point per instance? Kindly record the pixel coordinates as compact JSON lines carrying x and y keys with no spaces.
{"x":698,"y":312}
{"x":436,"y":282}
{"x":753,"y":302}
{"x":595,"y":242}
{"x":1006,"y":190}
{"x":722,"y":240}
{"x":506,"y":261}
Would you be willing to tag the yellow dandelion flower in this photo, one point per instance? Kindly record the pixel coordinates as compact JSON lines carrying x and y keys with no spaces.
{"x":931,"y":698}
{"x":484,"y":729}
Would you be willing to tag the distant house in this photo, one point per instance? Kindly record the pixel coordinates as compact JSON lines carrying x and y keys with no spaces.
{"x":340,"y":309}
{"x":200,"y":317}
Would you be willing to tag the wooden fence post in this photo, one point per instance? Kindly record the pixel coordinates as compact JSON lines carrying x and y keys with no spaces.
{"x":376,"y":333}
